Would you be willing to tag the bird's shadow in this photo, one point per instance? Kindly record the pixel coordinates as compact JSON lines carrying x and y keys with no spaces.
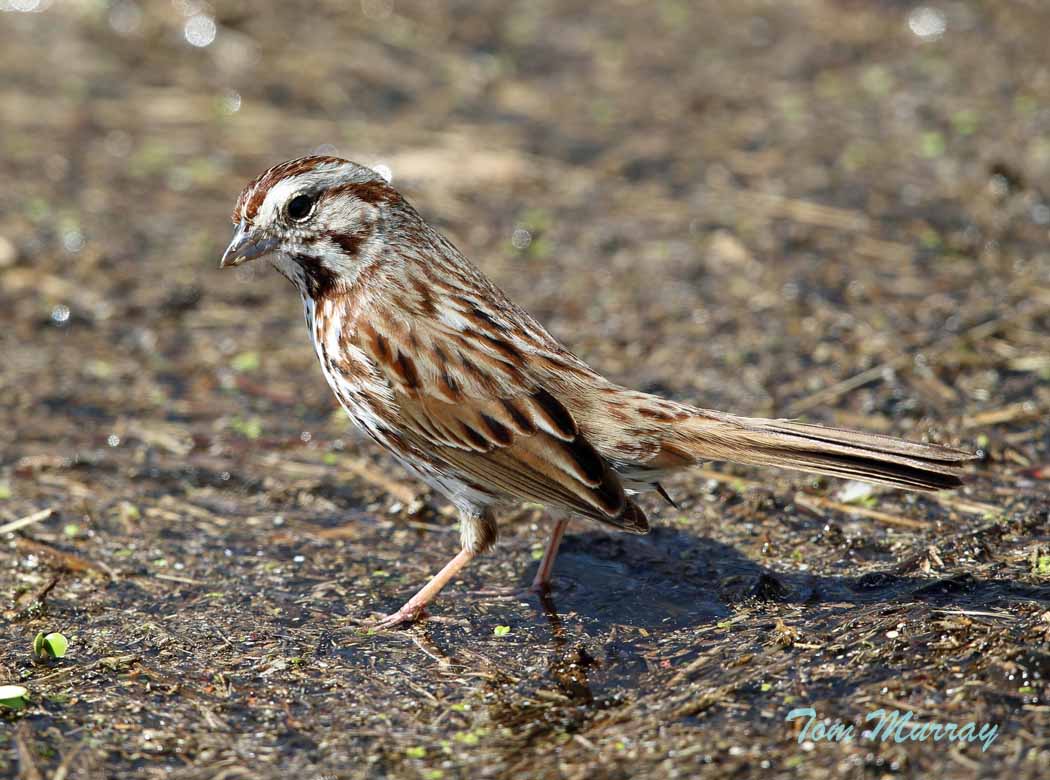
{"x":675,"y":579}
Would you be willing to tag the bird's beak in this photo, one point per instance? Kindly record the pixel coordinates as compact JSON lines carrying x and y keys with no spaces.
{"x":244,"y":247}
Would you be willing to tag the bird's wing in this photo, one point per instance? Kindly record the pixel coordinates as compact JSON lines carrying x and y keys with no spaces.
{"x":468,"y":396}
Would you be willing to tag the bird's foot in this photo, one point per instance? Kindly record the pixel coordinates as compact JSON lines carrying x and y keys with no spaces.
{"x":541,"y":587}
{"x":407,"y":615}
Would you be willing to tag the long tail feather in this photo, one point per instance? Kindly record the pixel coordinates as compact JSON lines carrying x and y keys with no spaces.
{"x":833,"y":451}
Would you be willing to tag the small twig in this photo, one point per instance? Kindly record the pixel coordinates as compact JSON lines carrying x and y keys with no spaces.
{"x":815,"y":502}
{"x":370,"y":473}
{"x":804,"y":211}
{"x":1005,"y":414}
{"x":66,"y":560}
{"x":976,"y":332}
{"x":36,"y":601}
{"x":110,"y":661}
{"x":176,"y":578}
{"x":977,"y":613}
{"x":962,"y":505}
{"x":433,"y":652}
{"x":67,"y":761}
{"x":729,"y":479}
{"x":22,"y":522}
{"x":27,"y":769}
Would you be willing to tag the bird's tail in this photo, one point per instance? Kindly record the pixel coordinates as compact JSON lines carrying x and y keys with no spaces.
{"x":870,"y":457}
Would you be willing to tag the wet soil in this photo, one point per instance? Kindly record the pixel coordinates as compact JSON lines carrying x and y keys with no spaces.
{"x":836,"y":210}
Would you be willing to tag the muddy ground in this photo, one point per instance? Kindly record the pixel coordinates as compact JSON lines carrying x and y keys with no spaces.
{"x":831,"y":209}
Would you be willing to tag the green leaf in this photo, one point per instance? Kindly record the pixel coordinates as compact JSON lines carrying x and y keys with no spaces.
{"x":250,"y":429}
{"x":1042,"y":565}
{"x":416,"y":751}
{"x":13,"y":697}
{"x":501,"y":630}
{"x":931,"y":144}
{"x":246,"y":361}
{"x":53,"y":645}
{"x":5,"y":491}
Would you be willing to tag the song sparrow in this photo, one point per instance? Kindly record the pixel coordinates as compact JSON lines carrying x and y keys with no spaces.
{"x":473,"y":396}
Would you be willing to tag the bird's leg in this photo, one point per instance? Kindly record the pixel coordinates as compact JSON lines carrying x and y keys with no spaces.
{"x":477,"y":533}
{"x":416,"y":606}
{"x":541,"y":583}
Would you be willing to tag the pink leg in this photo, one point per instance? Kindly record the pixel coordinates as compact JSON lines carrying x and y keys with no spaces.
{"x":542,"y":582}
{"x":415,"y":606}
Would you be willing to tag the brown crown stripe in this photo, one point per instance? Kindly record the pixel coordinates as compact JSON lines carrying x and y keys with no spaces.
{"x":372,"y":192}
{"x":254,"y":194}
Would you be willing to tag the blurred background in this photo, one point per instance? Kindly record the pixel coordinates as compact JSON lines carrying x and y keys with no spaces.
{"x":833,"y":209}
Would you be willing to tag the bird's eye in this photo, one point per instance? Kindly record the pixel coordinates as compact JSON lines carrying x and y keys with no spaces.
{"x":299,"y":207}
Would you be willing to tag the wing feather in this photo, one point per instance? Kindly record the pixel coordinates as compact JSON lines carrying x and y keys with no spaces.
{"x":465,"y":395}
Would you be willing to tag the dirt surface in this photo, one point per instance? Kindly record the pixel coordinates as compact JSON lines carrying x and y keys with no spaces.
{"x":836,"y":210}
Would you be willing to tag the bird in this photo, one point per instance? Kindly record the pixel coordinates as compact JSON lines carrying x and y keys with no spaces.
{"x":475,"y":398}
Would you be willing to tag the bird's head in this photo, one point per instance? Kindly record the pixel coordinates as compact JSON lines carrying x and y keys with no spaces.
{"x":318,"y":218}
